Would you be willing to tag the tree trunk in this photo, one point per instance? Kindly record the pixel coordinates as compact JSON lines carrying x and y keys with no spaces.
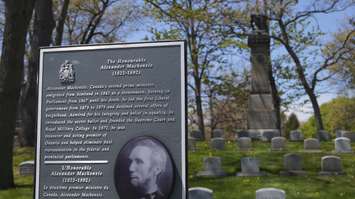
{"x":60,"y":25}
{"x":316,"y":110}
{"x":276,"y":98}
{"x":211,"y":106}
{"x":42,"y":33}
{"x":307,"y":88}
{"x":201,"y":123}
{"x":302,"y":77}
{"x":17,"y":15}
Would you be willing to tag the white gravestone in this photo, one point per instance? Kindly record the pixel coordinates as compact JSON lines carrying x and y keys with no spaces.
{"x":270,"y":193}
{"x":200,"y":193}
{"x":212,"y":167}
{"x":331,"y":165}
{"x":342,"y":145}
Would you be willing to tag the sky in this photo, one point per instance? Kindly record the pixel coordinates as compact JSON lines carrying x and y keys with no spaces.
{"x":329,"y":23}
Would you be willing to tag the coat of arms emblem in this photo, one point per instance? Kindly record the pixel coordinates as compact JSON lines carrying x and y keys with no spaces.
{"x":67,"y":73}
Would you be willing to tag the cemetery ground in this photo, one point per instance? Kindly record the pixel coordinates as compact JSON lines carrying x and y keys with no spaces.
{"x":311,"y":186}
{"x":24,"y":184}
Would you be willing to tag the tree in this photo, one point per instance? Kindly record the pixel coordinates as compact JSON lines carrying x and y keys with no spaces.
{"x":292,"y":123}
{"x":338,"y":114}
{"x":293,"y":30}
{"x":228,"y":100}
{"x":17,"y":18}
{"x":192,"y":21}
{"x":344,"y":69}
{"x":98,"y":20}
{"x":59,"y":29}
{"x":93,"y":15}
{"x":43,"y":24}
{"x":2,"y":20}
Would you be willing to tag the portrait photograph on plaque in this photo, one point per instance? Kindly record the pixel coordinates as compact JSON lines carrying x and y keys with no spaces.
{"x":112,"y":121}
{"x":145,"y":163}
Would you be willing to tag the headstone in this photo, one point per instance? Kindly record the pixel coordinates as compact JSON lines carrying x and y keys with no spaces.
{"x":331,"y":165}
{"x":244,"y":143}
{"x":212,"y":167}
{"x":338,"y":133}
{"x":267,"y":135}
{"x":293,"y":165}
{"x":250,"y":167}
{"x":311,"y":144}
{"x":16,"y":142}
{"x":270,"y":193}
{"x":296,"y":135}
{"x":217,"y":133}
{"x":278,"y":143}
{"x":217,"y":143}
{"x":254,"y":134}
{"x":191,"y":144}
{"x":196,"y":134}
{"x":200,"y":193}
{"x":348,"y":134}
{"x":323,"y":135}
{"x":27,"y":168}
{"x":242,"y":133}
{"x":342,"y":145}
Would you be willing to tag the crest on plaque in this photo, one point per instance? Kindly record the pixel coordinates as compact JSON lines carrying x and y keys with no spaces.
{"x":67,"y":73}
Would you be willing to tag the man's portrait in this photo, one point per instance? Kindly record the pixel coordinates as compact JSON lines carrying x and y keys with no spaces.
{"x":144,"y":170}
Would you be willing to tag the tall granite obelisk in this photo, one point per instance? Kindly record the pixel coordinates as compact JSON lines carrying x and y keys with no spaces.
{"x":262,"y":114}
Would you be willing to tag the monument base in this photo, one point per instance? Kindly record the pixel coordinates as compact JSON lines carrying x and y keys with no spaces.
{"x":328,"y":173}
{"x":241,"y":174}
{"x":293,"y":173}
{"x":311,"y":151}
{"x":211,"y":174}
{"x":263,"y":134}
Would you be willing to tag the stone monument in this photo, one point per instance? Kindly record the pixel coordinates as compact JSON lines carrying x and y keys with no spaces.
{"x":331,"y":165}
{"x":311,"y":144}
{"x":250,"y":167}
{"x":293,"y":165}
{"x":27,"y":168}
{"x":244,"y":143}
{"x":212,"y":167}
{"x":217,"y":143}
{"x":200,"y":193}
{"x":270,"y":193}
{"x":342,"y":145}
{"x":262,"y":115}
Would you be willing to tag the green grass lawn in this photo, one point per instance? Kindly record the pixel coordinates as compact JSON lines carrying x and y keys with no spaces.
{"x":24,"y":185}
{"x":297,"y":187}
{"x":230,"y":187}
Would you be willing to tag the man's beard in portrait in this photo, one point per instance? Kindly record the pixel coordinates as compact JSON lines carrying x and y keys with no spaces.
{"x":140,"y":185}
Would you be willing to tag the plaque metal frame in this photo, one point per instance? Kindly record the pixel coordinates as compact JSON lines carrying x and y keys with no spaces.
{"x":90,"y":47}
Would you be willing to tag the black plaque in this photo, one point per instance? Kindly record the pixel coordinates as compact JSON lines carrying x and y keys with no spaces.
{"x":111,"y":121}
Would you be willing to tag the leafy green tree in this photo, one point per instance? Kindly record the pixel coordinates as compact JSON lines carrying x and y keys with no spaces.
{"x":295,"y":33}
{"x":344,"y":69}
{"x":337,"y":114}
{"x":192,"y":21}
{"x":292,"y":123}
{"x":227,"y":100}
